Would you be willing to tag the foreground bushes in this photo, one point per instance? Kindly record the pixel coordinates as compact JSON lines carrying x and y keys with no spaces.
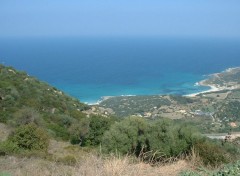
{"x":163,"y":139}
{"x":26,"y":138}
{"x":30,"y":137}
{"x":154,"y":140}
{"x":89,"y":131}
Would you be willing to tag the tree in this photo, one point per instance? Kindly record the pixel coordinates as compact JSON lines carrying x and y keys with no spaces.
{"x":78,"y":131}
{"x":127,"y":136}
{"x":97,"y":126}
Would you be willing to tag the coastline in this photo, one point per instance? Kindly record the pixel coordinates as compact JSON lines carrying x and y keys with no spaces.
{"x":215,"y":87}
{"x":103,"y":98}
{"x":212,"y":89}
{"x":209,"y":82}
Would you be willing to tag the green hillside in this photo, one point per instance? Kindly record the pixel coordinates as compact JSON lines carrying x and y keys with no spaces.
{"x":18,"y":89}
{"x":24,"y":99}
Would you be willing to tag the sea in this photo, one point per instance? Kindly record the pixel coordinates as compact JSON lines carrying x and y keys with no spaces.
{"x":89,"y":68}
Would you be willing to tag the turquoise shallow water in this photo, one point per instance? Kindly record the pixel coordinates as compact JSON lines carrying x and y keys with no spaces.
{"x":90,"y":68}
{"x":184,"y":85}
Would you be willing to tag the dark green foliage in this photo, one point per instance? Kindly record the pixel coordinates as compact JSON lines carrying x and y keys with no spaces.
{"x":171,"y":139}
{"x":162,"y":138}
{"x":79,"y":131}
{"x":59,"y":131}
{"x":181,"y":99}
{"x":30,"y":137}
{"x":127,"y":136}
{"x":89,"y":131}
{"x":97,"y":126}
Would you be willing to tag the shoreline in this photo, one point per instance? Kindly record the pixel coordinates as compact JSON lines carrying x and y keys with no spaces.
{"x":212,"y":87}
{"x":103,"y":98}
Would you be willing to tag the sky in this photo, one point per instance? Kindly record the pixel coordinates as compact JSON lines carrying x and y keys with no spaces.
{"x":73,"y":18}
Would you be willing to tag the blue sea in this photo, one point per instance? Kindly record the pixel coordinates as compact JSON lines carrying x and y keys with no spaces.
{"x":90,"y":68}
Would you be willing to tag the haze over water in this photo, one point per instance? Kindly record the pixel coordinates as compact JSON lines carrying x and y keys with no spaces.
{"x":89,"y":68}
{"x":93,"y":48}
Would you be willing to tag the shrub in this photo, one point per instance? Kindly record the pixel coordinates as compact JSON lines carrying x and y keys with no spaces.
{"x":171,"y":140}
{"x":97,"y":126}
{"x":30,"y":137}
{"x":153,"y":141}
{"x":78,"y":131}
{"x":8,"y":147}
{"x":59,"y":131}
{"x":127,"y":136}
{"x":26,"y":115}
{"x":210,"y":153}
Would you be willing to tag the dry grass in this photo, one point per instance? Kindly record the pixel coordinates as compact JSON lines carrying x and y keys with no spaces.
{"x":194,"y":159}
{"x":4,"y":132}
{"x":88,"y":163}
{"x":90,"y":166}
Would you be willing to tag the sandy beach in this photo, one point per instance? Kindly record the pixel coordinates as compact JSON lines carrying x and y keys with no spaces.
{"x":212,"y":89}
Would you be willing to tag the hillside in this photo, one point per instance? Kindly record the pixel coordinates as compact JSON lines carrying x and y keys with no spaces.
{"x":228,"y":79}
{"x":18,"y":89}
{"x":41,"y":125}
{"x":25,"y":99}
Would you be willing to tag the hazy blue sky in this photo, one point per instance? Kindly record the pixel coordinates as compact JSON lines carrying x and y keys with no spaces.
{"x":191,"y":18}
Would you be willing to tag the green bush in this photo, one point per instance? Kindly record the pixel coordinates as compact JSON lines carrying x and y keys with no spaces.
{"x":8,"y":147}
{"x":30,"y":137}
{"x":78,"y":131}
{"x":59,"y":131}
{"x":127,"y":136}
{"x":210,"y":153}
{"x":152,"y":140}
{"x":97,"y":126}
